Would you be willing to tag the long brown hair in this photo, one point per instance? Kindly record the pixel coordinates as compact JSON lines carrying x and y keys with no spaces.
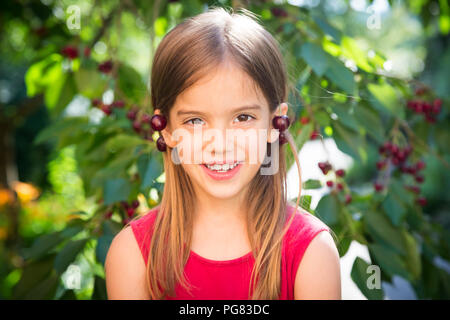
{"x":185,"y":54}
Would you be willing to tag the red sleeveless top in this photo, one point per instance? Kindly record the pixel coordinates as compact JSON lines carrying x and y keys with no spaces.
{"x":230,"y":279}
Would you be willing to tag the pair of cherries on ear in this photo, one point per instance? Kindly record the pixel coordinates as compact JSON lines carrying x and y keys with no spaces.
{"x":159,"y":122}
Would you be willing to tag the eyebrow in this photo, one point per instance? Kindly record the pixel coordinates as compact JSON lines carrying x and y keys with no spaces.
{"x":246,"y":107}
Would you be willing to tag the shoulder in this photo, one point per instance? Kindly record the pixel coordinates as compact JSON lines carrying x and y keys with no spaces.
{"x":125,"y":268}
{"x":317,"y":274}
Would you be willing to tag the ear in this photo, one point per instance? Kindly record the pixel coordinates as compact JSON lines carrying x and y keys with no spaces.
{"x":274,"y":133}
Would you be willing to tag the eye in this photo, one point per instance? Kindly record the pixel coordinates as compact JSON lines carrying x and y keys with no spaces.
{"x":188,"y":121}
{"x":245,"y":116}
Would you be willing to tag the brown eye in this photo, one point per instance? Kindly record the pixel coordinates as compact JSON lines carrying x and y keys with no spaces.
{"x":244,"y":117}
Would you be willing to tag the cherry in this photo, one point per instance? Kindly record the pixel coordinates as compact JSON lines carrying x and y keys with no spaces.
{"x":118,"y":104}
{"x":131,"y":114}
{"x":126,"y":221}
{"x":161,"y":144}
{"x":70,"y":52}
{"x":278,"y":12}
{"x":378,"y":186}
{"x":109,"y":214}
{"x":282,"y":138}
{"x":381,"y":164}
{"x":420,"y":165}
{"x":105,"y":67}
{"x":325,"y":167}
{"x":135,"y":204}
{"x":314,"y":135}
{"x":96,"y":102}
{"x":304,"y":120}
{"x":340,"y":186}
{"x":348,"y":198}
{"x":106,"y":108}
{"x":137,"y":126}
{"x":419,"y":178}
{"x":437,"y":103}
{"x":130,"y":212}
{"x":146,"y":118}
{"x":421,"y":201}
{"x":414,"y":189}
{"x":124,"y":204}
{"x":281,"y":122}
{"x":330,"y":183}
{"x":158,"y":122}
{"x":340,"y":172}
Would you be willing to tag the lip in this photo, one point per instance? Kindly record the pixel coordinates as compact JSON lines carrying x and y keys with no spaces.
{"x":222,"y":175}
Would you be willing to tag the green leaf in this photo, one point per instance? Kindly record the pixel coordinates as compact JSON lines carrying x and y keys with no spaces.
{"x":341,"y":76}
{"x":394,"y":209}
{"x":68,"y":254}
{"x":312,"y":184}
{"x":32,"y":274}
{"x":45,"y":289}
{"x":131,"y":84}
{"x":153,"y":171}
{"x":380,"y":228}
{"x":124,"y":141}
{"x":389,"y":260}
{"x":327,"y":209}
{"x":384,"y":98}
{"x":99,"y":292}
{"x":315,"y":57}
{"x":43,"y":73}
{"x":42,"y":245}
{"x":116,"y":190}
{"x":413,"y":259}
{"x":102,"y":248}
{"x":370,"y":121}
{"x":328,"y":29}
{"x":360,"y":275}
{"x":351,"y":50}
{"x":348,"y":141}
{"x":304,"y":135}
{"x":90,"y":83}
{"x":62,"y":127}
{"x":345,"y":117}
{"x":305,"y":202}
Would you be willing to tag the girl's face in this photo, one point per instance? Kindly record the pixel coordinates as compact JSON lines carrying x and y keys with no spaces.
{"x":221,"y":119}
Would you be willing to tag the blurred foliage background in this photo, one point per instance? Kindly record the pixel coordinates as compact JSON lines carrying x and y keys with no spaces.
{"x":78,"y":159}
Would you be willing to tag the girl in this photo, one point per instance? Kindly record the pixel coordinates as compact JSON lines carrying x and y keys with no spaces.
{"x":222,"y":232}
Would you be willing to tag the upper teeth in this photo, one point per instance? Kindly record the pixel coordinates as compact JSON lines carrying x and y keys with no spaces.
{"x":224,"y":167}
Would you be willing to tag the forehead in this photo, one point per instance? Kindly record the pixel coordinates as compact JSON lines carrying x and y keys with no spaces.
{"x":226,"y":87}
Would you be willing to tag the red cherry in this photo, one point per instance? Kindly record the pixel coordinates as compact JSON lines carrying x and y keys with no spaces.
{"x":96,"y":102}
{"x":340,"y":172}
{"x":437,"y":103}
{"x":118,"y":104}
{"x":161,"y":144}
{"x":419,"y":178}
{"x":131,"y":114}
{"x":130,"y":212}
{"x":348,"y":198}
{"x":70,"y":52}
{"x":137,"y":126}
{"x":304,"y":120}
{"x":325,"y":167}
{"x":378,"y":186}
{"x":158,"y":122}
{"x":282,"y":138}
{"x":281,"y":122}
{"x":106,"y":108}
{"x":314,"y":135}
{"x":420,"y":165}
{"x":414,"y":189}
{"x":124,"y":204}
{"x":109,"y":214}
{"x":135,"y":204}
{"x":330,"y":183}
{"x":105,"y":67}
{"x":381,"y":164}
{"x":340,"y":186}
{"x":421,"y":201}
{"x":126,"y":221}
{"x":146,"y":118}
{"x":278,"y":12}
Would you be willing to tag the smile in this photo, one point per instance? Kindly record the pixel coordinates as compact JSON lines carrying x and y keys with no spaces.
{"x":222,"y":171}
